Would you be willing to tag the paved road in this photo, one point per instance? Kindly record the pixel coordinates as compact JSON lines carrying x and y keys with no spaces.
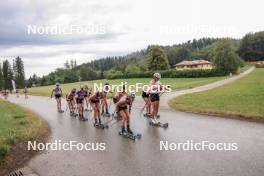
{"x":125,"y":157}
{"x":143,"y":158}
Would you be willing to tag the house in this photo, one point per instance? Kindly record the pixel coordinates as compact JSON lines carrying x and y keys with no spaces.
{"x":195,"y":64}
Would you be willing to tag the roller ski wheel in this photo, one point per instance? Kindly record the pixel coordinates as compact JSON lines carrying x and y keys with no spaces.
{"x":60,"y":111}
{"x":159,"y":124}
{"x":83,"y":119}
{"x":146,"y":115}
{"x":106,"y":115}
{"x":73,"y":115}
{"x":129,"y":135}
{"x":100,"y":126}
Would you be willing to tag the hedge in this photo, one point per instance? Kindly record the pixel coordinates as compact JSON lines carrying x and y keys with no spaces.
{"x":171,"y":73}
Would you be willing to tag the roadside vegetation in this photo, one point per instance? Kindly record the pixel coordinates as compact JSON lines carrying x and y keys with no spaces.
{"x":17,"y":126}
{"x":243,"y":98}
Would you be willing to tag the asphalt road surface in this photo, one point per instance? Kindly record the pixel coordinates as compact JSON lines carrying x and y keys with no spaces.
{"x":143,"y":157}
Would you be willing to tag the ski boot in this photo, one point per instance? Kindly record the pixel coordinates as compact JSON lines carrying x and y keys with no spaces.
{"x":129,"y":130}
{"x":82,"y":118}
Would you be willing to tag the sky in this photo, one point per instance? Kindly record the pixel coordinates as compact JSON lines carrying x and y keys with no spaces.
{"x":45,"y":34}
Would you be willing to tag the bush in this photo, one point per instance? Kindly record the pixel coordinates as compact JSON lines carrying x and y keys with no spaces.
{"x":172,"y":73}
{"x":4,"y":149}
{"x":259,"y":65}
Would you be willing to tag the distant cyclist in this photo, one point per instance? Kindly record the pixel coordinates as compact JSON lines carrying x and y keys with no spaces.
{"x":58,"y":94}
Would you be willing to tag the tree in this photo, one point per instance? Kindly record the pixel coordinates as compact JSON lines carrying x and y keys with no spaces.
{"x":1,"y":77}
{"x":19,"y":73}
{"x":72,"y":64}
{"x":252,"y":47}
{"x":67,"y":65}
{"x":225,"y":58}
{"x":132,"y":68}
{"x":7,"y":75}
{"x":75,"y":63}
{"x":87,"y":74}
{"x":157,"y":58}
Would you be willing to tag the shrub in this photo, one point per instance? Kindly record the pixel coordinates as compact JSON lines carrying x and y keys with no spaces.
{"x":4,"y":149}
{"x":259,"y":65}
{"x":172,"y":73}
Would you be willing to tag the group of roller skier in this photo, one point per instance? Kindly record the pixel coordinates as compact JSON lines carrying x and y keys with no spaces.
{"x":84,"y":99}
{"x":5,"y":93}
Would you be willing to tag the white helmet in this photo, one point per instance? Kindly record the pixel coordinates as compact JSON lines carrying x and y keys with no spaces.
{"x":157,"y":75}
{"x":57,"y":84}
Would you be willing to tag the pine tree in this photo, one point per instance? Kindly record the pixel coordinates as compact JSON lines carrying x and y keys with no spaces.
{"x":19,"y":73}
{"x":1,"y":77}
{"x":7,"y":75}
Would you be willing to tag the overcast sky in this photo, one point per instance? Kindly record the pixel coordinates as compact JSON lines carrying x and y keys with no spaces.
{"x":114,"y":27}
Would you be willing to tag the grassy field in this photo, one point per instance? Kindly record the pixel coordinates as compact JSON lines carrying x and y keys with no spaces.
{"x":176,"y":84}
{"x":243,"y":98}
{"x":17,"y":126}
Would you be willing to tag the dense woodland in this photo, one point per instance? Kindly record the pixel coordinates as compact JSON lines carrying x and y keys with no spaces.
{"x":226,"y":55}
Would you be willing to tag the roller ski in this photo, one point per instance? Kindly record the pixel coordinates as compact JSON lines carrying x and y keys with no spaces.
{"x":82,"y":118}
{"x":100,"y":125}
{"x":154,"y":122}
{"x":148,"y":115}
{"x":107,"y":114}
{"x":72,"y":114}
{"x":129,"y":134}
{"x":60,"y":111}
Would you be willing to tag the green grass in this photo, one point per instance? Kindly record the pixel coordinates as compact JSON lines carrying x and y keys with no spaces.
{"x":18,"y":125}
{"x":176,"y":84}
{"x":243,"y":98}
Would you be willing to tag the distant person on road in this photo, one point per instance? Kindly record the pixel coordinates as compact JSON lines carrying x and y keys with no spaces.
{"x":87,"y":94}
{"x":17,"y":93}
{"x":6,"y":92}
{"x":95,"y":102}
{"x":70,"y":98}
{"x":58,"y":94}
{"x":123,"y":109}
{"x":145,"y":96}
{"x":104,"y":102}
{"x":154,"y":95}
{"x":26,"y":92}
{"x":81,"y":94}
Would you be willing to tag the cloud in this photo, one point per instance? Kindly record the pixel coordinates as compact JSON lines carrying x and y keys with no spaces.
{"x":17,"y":15}
{"x":129,"y":25}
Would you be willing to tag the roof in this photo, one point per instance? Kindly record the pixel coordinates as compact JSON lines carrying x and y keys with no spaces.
{"x":194,"y":62}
